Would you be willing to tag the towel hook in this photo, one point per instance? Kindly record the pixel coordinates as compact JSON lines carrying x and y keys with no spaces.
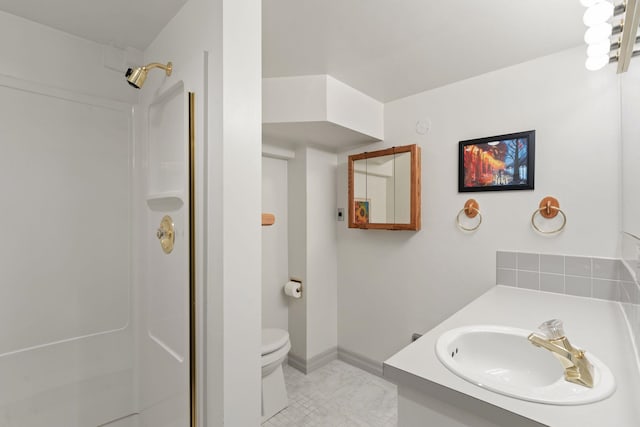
{"x":549,"y":208}
{"x":471,"y":210}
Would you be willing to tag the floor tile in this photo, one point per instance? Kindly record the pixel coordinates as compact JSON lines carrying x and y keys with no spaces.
{"x":337,"y":395}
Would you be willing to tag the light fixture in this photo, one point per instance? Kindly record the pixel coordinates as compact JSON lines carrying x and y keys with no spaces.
{"x":598,"y":49}
{"x":598,"y":13}
{"x":598,"y":33}
{"x":589,"y":3}
{"x":594,"y":63}
{"x":605,"y":18}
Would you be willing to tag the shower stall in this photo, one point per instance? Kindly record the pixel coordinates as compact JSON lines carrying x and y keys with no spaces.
{"x":101,"y":322}
{"x":97,"y":296}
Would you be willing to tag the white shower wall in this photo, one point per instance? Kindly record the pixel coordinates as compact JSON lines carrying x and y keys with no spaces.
{"x":162,"y":294}
{"x":36,"y":53}
{"x":66,"y":330}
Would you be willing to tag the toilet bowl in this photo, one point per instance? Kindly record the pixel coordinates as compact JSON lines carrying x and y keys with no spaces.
{"x":275,"y":346}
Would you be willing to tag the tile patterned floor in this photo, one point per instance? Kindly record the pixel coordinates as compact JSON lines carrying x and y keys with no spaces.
{"x":337,"y":395}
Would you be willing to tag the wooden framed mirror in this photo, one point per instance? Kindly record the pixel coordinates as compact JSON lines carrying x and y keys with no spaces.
{"x":384,"y":189}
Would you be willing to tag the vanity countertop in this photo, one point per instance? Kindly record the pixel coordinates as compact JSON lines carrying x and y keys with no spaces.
{"x":598,"y":326}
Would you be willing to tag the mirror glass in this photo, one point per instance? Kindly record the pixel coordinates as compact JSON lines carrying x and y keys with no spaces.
{"x":630,"y":108}
{"x":382,"y":188}
{"x":402,"y":192}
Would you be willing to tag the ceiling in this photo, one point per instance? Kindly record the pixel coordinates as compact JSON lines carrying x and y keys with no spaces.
{"x":122,"y":23}
{"x":387,"y":49}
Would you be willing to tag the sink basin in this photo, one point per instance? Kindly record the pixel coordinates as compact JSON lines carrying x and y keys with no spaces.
{"x":501,"y":359}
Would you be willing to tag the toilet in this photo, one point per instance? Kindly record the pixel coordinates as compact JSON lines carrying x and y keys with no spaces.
{"x":275,"y":346}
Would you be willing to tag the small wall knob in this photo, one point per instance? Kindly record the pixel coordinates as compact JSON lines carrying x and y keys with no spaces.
{"x":166,"y":234}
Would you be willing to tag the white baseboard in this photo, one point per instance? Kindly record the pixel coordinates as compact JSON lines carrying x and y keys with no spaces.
{"x":359,"y":361}
{"x":297,"y":362}
{"x":318,"y":361}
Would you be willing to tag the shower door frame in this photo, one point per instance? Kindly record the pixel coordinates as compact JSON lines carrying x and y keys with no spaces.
{"x":193,"y":371}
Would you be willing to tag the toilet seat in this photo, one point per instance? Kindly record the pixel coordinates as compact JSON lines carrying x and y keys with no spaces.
{"x":275,"y":346}
{"x":273,"y":339}
{"x":276,"y":356}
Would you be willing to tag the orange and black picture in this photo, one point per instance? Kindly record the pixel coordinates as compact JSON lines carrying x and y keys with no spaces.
{"x":498,"y":163}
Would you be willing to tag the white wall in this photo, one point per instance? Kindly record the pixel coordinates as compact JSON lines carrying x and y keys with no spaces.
{"x":353,"y":109}
{"x":294,"y":99}
{"x":322,"y":275}
{"x":66,"y":356}
{"x":241,"y":210}
{"x":392,"y":284}
{"x":297,"y":256}
{"x":275,"y":247}
{"x":312,"y":255}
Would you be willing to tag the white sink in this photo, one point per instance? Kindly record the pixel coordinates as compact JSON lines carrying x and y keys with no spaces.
{"x":501,"y":359}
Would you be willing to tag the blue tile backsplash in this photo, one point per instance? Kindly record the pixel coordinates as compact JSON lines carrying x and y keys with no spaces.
{"x":601,"y":278}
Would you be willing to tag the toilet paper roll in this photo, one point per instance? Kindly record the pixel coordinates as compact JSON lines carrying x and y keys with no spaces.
{"x":292,"y":289}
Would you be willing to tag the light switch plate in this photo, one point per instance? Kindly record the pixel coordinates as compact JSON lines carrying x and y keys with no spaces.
{"x":340,"y":214}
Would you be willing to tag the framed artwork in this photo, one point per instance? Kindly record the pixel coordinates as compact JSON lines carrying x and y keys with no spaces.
{"x":503,"y":162}
{"x":361,"y":211}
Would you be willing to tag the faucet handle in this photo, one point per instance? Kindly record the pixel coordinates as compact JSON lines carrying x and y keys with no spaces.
{"x":552,"y":329}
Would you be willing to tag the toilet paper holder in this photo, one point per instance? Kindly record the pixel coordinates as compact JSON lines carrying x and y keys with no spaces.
{"x":293,"y":279}
{"x":299,"y":282}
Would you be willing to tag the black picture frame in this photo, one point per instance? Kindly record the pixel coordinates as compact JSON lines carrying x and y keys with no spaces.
{"x":497,"y":163}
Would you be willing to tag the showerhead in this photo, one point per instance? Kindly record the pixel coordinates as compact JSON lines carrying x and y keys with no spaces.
{"x":137,"y":76}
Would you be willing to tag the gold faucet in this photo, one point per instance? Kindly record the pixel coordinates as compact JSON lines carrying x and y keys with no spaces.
{"x":577,"y":368}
